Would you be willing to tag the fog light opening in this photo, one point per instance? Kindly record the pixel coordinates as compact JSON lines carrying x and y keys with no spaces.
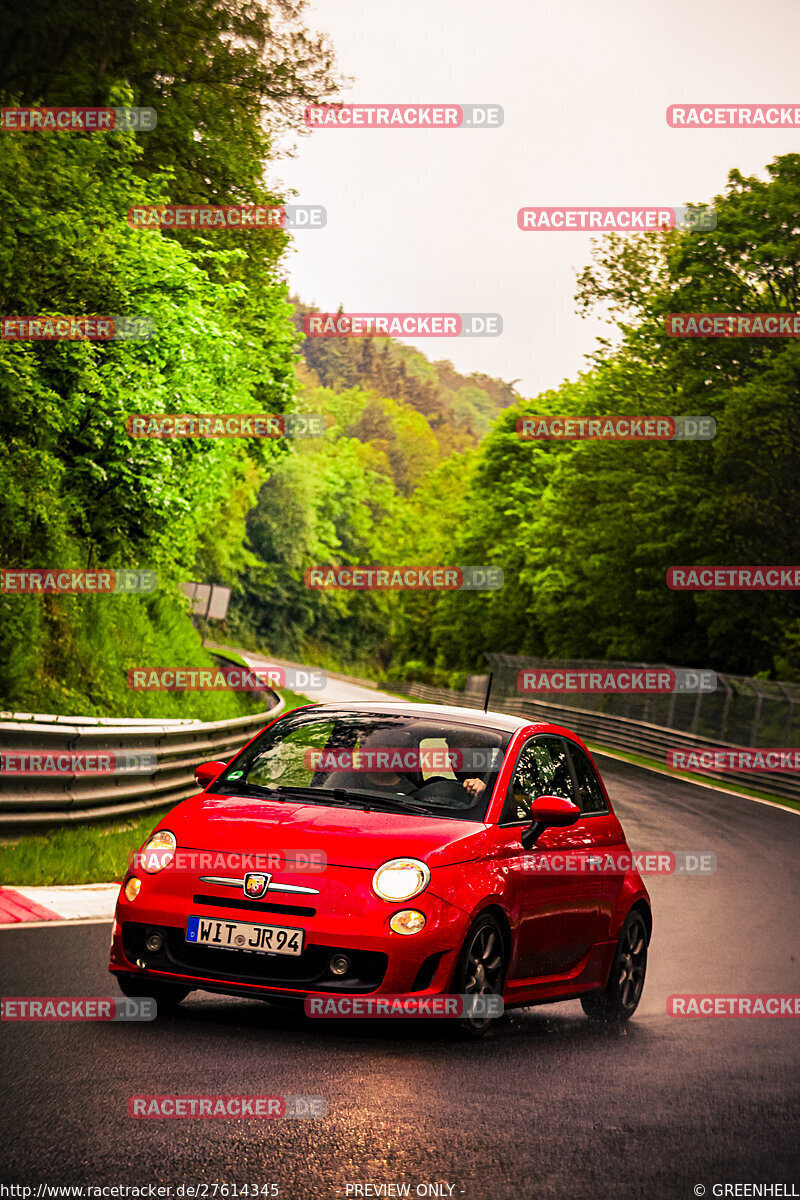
{"x":154,"y":942}
{"x":339,"y":964}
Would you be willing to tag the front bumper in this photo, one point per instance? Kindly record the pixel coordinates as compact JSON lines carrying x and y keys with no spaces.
{"x":344,"y":918}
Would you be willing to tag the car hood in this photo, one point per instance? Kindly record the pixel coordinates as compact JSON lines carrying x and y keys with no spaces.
{"x":348,"y":837}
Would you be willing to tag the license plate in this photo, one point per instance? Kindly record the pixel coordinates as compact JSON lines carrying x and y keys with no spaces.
{"x":241,"y":935}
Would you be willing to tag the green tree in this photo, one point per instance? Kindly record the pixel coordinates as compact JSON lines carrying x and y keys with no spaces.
{"x":75,"y":489}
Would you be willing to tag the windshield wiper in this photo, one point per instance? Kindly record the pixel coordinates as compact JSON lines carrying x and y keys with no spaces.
{"x":372,"y":798}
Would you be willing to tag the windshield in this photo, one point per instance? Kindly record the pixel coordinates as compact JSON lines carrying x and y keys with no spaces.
{"x":402,"y":763}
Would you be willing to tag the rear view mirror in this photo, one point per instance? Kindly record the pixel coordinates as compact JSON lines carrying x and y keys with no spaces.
{"x":549,"y":812}
{"x":208,"y":771}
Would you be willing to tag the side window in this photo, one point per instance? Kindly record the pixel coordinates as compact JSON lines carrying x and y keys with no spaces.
{"x":542,"y":770}
{"x":590,"y":792}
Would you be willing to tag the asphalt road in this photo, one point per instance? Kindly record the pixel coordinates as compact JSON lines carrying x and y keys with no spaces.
{"x":334,"y":690}
{"x":548,"y":1106}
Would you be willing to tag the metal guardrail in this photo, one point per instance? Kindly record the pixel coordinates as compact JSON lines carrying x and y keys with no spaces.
{"x":41,"y":800}
{"x":178,"y":746}
{"x":51,"y":719}
{"x":610,"y":730}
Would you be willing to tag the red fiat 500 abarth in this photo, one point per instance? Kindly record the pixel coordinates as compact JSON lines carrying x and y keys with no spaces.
{"x":396,"y":849}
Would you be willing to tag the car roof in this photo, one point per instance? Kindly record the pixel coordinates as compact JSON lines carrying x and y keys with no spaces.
{"x":501,"y":722}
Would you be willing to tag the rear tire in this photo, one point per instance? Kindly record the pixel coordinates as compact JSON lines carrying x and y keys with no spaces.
{"x":166,"y":995}
{"x":620,"y":998}
{"x":481,"y":971}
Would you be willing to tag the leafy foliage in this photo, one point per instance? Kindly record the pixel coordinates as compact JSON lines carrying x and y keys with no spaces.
{"x":75,"y":489}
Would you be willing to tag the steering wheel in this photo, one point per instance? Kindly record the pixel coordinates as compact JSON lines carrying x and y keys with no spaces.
{"x":439,"y":788}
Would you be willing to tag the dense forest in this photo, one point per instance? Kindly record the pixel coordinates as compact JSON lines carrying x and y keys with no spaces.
{"x":75,"y":490}
{"x":418,"y":465}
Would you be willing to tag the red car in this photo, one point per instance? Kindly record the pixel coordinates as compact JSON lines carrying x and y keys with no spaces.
{"x":401,"y":849}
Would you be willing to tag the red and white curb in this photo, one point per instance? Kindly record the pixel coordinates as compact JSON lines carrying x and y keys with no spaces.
{"x":36,"y":905}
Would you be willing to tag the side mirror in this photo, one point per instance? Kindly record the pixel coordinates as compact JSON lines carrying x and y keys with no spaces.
{"x":208,"y":771}
{"x":549,"y":812}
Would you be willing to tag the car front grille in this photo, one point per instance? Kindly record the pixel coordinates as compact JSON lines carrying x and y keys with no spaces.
{"x":297,"y":910}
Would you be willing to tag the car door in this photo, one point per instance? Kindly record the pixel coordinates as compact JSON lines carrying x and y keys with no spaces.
{"x":556,"y":897}
{"x":607,"y":838}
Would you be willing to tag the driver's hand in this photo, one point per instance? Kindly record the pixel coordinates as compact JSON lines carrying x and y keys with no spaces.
{"x":475,"y":787}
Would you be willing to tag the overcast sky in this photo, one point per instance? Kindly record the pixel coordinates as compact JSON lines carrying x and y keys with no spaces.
{"x":425,"y":221}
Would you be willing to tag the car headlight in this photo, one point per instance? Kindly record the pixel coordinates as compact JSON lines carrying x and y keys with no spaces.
{"x":400,"y":879}
{"x":157,"y":852}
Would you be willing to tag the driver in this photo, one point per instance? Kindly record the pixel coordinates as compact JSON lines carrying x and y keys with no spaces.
{"x":390,"y":782}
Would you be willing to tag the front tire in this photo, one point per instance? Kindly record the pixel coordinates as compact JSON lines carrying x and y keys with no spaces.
{"x":166,"y":995}
{"x":481,"y":971}
{"x":620,"y":998}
